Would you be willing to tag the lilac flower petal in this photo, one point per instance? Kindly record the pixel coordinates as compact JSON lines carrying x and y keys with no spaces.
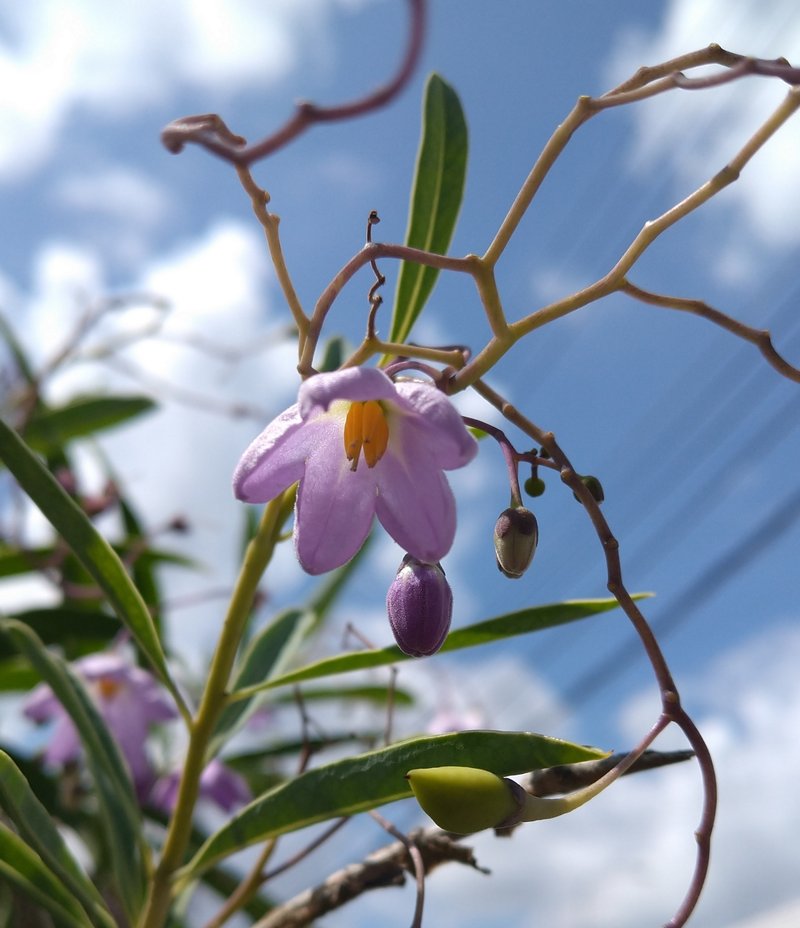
{"x":164,"y":794}
{"x":224,"y":786}
{"x":273,"y":461}
{"x":41,"y":704}
{"x":353,"y":384}
{"x":335,"y":506}
{"x":448,"y":440}
{"x":65,"y":743}
{"x":416,"y":507}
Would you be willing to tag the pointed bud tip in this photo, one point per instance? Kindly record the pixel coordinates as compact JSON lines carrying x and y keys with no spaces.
{"x":419,"y":604}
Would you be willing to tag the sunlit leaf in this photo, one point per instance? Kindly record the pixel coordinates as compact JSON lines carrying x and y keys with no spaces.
{"x":437,"y":190}
{"x":356,"y":784}
{"x":52,"y":428}
{"x":376,"y":694}
{"x":38,"y":830}
{"x":90,"y":547}
{"x":497,"y":629}
{"x":118,"y":806}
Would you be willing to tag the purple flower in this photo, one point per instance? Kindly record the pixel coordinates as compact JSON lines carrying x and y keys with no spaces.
{"x":361,"y":445}
{"x":420,"y":606}
{"x":218,"y":783}
{"x":128,"y":698}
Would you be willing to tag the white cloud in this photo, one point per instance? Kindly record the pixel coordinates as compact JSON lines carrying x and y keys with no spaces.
{"x":694,"y":134}
{"x":117,"y":192}
{"x":215,"y":350}
{"x":115,"y":58}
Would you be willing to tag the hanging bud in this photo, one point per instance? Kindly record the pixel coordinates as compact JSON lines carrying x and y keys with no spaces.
{"x":516,"y":535}
{"x":420,"y":606}
{"x":534,"y":486}
{"x":594,"y":486}
{"x":466,"y":799}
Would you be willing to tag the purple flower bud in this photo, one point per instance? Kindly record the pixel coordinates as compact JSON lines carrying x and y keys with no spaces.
{"x":515,"y":537}
{"x":420,"y":606}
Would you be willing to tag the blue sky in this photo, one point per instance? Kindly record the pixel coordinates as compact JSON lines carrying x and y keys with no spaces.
{"x":694,"y":437}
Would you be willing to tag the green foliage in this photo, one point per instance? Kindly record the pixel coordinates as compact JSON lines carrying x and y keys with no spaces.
{"x":50,"y":429}
{"x":38,"y":830}
{"x":497,"y":629}
{"x":437,"y":190}
{"x":118,"y":806}
{"x":365,"y":781}
{"x":94,"y":552}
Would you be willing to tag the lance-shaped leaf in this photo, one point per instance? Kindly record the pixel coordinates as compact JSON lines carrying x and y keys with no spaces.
{"x":51,"y":428}
{"x":94,"y":552}
{"x":497,"y":629}
{"x":24,"y":869}
{"x":39,"y":833}
{"x":118,"y":806}
{"x":437,"y":191}
{"x":356,"y":784}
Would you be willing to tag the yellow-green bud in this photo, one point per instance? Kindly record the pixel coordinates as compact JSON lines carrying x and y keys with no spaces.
{"x":515,"y":537}
{"x":466,"y":799}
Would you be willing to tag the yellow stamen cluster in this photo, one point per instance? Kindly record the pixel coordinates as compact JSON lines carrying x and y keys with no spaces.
{"x":365,"y":429}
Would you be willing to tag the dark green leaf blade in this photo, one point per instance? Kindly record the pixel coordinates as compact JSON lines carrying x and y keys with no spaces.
{"x":119,"y":810}
{"x":437,"y":191}
{"x":91,"y":548}
{"x":23,"y":868}
{"x":38,"y":830}
{"x":266,"y":655}
{"x":356,"y":784}
{"x":504,"y":626}
{"x":51,"y":428}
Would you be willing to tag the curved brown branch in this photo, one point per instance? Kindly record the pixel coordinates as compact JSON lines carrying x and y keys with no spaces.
{"x":759,"y":337}
{"x":670,"y":699}
{"x":210,"y":132}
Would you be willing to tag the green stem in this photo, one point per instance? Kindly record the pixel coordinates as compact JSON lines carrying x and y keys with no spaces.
{"x":257,"y":557}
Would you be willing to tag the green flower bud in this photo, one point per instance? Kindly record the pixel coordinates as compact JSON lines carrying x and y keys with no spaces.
{"x":515,"y":537}
{"x":594,"y":486}
{"x":534,"y":486}
{"x":466,"y":799}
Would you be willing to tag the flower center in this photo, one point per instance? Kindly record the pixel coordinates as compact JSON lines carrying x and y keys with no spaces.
{"x":108,"y":687}
{"x":365,"y":429}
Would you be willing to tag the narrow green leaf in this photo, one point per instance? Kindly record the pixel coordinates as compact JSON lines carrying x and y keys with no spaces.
{"x":504,"y":626}
{"x":75,"y":631}
{"x":50,"y":429}
{"x":94,"y":552}
{"x":23,"y":867}
{"x":17,"y":352}
{"x":437,"y":190}
{"x":38,"y":830}
{"x":376,"y":694}
{"x":15,"y":561}
{"x":120,"y":813}
{"x":356,"y":784}
{"x":266,"y":655}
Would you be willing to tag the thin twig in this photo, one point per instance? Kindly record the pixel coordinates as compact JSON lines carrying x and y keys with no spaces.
{"x":210,"y":132}
{"x":759,"y":337}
